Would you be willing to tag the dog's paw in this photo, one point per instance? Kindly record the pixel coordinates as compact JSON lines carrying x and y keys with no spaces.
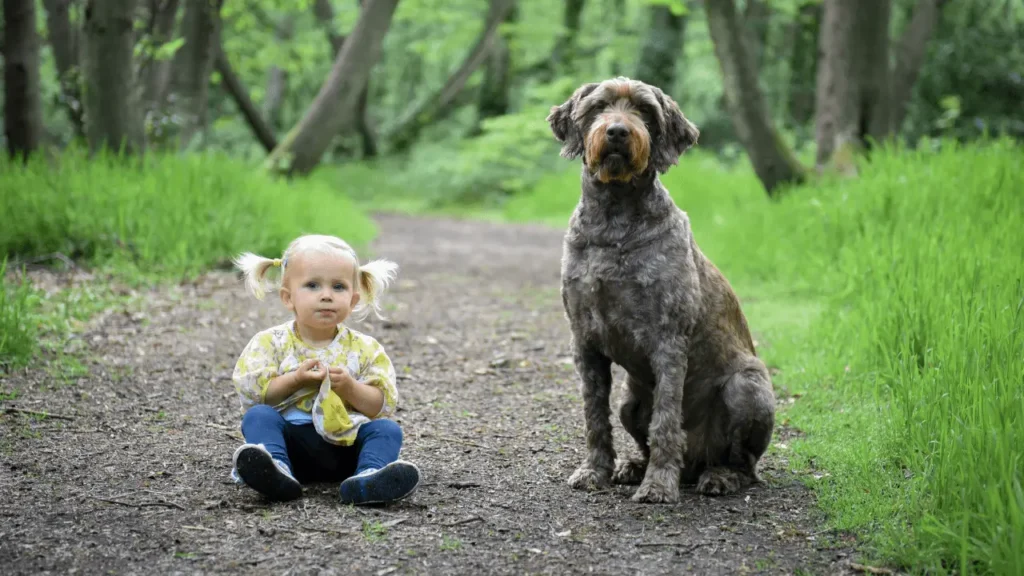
{"x":586,"y":478}
{"x":719,"y":482}
{"x":629,"y":471}
{"x":656,"y":493}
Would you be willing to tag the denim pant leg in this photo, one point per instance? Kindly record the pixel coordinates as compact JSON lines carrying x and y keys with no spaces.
{"x":378,"y":442}
{"x":261,"y":424}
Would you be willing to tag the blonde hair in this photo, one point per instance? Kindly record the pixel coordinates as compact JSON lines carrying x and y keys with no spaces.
{"x":372,"y":278}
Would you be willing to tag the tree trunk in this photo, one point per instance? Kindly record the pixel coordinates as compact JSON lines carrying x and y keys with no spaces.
{"x":910,"y":56}
{"x":442,"y":102}
{"x":193,"y":63}
{"x":325,"y":14}
{"x":336,"y":104}
{"x":662,"y":48}
{"x":264,"y":133}
{"x":64,"y":43}
{"x":773,"y":162}
{"x":157,"y":74}
{"x":112,"y":117}
{"x":803,"y":64}
{"x":277,"y":78}
{"x":23,"y":106}
{"x":853,"y":77}
{"x":756,"y":18}
{"x":494,"y":92}
{"x":563,"y":56}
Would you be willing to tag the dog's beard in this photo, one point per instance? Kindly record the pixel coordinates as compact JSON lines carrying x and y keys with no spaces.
{"x":615,"y":165}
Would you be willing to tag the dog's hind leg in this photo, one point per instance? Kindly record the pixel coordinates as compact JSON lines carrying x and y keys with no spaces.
{"x":635,"y":415}
{"x":750,"y":402}
{"x":595,"y":371}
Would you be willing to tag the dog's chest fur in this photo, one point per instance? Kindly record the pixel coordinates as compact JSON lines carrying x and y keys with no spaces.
{"x":625,"y":285}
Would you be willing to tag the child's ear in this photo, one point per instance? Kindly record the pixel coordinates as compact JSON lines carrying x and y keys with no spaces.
{"x":355,"y":299}
{"x":286,"y":299}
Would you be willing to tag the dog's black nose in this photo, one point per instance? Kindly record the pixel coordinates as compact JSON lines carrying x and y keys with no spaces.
{"x":617,"y":132}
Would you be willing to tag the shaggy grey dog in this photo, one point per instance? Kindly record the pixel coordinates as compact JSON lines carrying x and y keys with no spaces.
{"x":638,"y":292}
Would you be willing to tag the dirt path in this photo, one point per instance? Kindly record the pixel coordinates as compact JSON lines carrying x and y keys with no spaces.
{"x":137,"y":481}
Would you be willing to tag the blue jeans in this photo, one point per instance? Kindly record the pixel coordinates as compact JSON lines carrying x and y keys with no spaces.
{"x":313,"y":459}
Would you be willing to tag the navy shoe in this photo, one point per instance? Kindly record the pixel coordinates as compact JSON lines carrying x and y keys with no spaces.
{"x":261,"y":472}
{"x":379,"y":486}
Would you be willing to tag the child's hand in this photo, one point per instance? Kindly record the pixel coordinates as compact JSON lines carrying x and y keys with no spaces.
{"x":309,"y":372}
{"x":341,"y":380}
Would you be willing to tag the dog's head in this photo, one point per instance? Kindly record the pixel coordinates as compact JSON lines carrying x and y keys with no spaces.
{"x":622,"y":127}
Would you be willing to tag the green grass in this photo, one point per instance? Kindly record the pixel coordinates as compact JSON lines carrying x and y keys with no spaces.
{"x":892,"y":304}
{"x":17,"y":331}
{"x":167,"y":216}
{"x":153,"y":219}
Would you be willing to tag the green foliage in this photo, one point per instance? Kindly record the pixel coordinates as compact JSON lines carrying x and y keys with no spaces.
{"x":892,"y":306}
{"x":17,"y":332}
{"x":165,"y":215}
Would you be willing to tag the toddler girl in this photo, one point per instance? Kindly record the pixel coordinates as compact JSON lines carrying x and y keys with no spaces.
{"x":316,"y":395}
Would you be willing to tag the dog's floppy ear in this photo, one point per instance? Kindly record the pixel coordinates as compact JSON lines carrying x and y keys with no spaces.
{"x":677,"y":134}
{"x":564,"y":126}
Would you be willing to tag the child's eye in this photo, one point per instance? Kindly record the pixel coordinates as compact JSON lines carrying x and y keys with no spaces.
{"x":340,"y":287}
{"x":311,"y":285}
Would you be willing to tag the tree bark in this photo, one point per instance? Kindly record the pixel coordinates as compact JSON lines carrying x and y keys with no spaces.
{"x":853,"y":77}
{"x":277,"y":78}
{"x":263,"y":132}
{"x":564,"y":53}
{"x":494,"y":91}
{"x":662,"y":48}
{"x":773,"y":162}
{"x":336,"y":104}
{"x":803,"y":64}
{"x":756,"y":17}
{"x":910,"y":56}
{"x":193,"y":63}
{"x":157,"y":73}
{"x":325,"y":14}
{"x":441,"y":103}
{"x":112,"y":117}
{"x":65,"y":44}
{"x":23,"y":107}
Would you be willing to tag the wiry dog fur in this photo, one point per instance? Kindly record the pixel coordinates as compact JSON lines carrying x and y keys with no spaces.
{"x":638,"y":292}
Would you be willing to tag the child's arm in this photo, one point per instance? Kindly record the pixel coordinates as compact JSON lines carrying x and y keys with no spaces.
{"x":374,"y":393}
{"x":280,"y":388}
{"x":362,"y":397}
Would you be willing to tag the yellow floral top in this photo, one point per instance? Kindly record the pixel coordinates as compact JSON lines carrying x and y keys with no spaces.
{"x":279,"y":350}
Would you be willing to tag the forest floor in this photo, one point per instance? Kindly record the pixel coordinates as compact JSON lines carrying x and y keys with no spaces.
{"x":130,"y":475}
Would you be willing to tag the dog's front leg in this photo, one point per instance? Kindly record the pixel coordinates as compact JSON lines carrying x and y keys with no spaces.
{"x":666,"y":437}
{"x":595,"y":371}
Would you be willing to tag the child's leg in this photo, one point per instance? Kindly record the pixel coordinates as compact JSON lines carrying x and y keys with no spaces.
{"x":380,"y":476}
{"x":262,"y":462}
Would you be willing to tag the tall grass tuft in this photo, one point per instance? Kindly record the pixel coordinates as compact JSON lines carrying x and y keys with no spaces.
{"x":17,"y":331}
{"x":894,"y":304}
{"x":166,"y":215}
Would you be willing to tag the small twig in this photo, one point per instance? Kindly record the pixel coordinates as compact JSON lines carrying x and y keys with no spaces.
{"x":457,"y":441}
{"x":869,"y":569}
{"x":51,"y":256}
{"x":203,"y":528}
{"x":469,"y":520}
{"x":687,"y":550}
{"x":395,"y":522}
{"x":140,"y":505}
{"x":328,"y":530}
{"x":222,"y":427}
{"x":461,"y":485}
{"x":12,"y":410}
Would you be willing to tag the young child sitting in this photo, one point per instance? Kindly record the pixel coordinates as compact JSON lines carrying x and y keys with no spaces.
{"x":316,"y":395}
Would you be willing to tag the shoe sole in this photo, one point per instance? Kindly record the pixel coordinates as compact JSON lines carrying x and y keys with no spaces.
{"x":258,"y":471}
{"x":393,"y":482}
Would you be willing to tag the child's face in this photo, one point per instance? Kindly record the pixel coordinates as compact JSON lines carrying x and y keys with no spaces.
{"x":320,"y":291}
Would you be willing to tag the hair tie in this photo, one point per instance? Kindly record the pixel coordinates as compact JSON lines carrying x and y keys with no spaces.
{"x":277,"y":261}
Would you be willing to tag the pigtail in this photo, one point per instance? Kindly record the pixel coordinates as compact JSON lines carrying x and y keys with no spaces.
{"x":374,"y":278}
{"x":254,"y":268}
